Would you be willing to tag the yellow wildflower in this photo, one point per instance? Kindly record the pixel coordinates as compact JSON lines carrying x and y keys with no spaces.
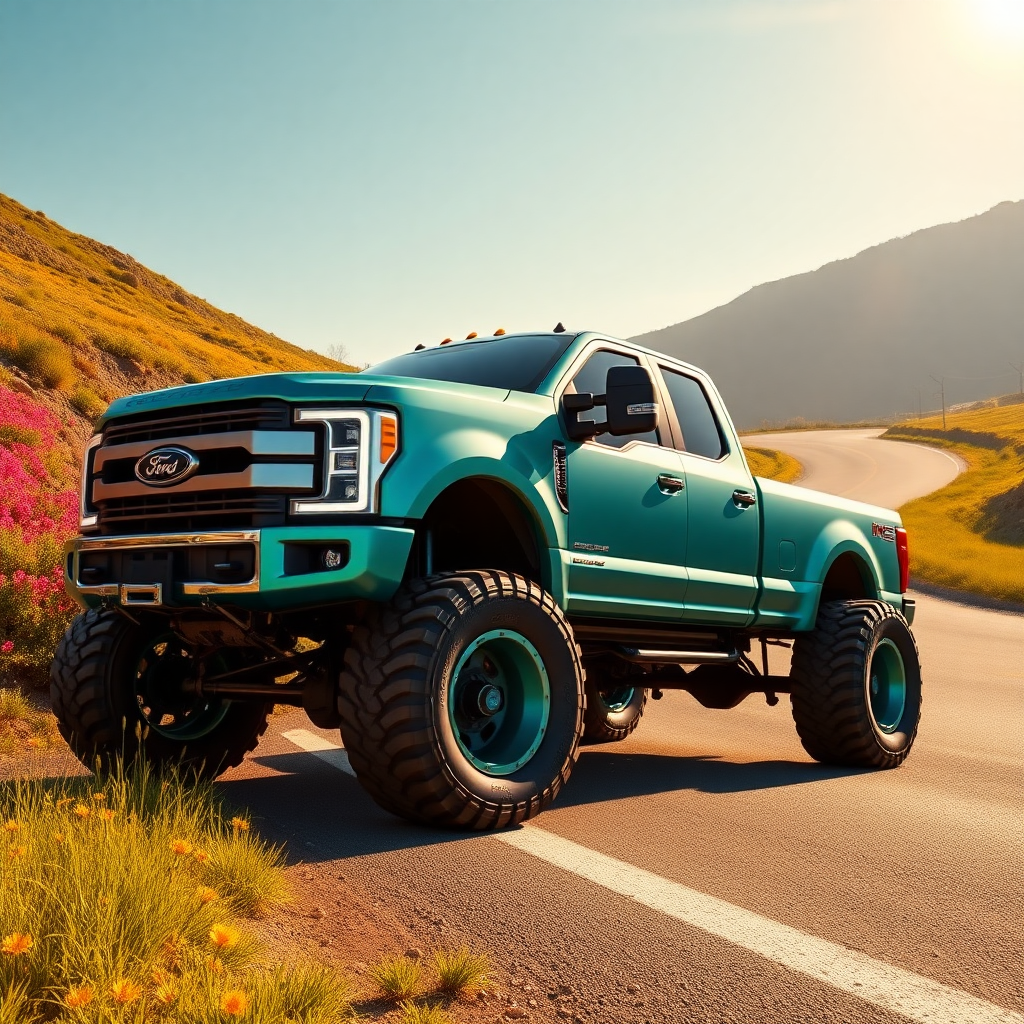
{"x":11,"y":826}
{"x":99,"y":797}
{"x":16,"y":943}
{"x":240,"y":824}
{"x":215,"y":965}
{"x":222,"y":936}
{"x":107,"y":814}
{"x":181,"y":847}
{"x":206,"y":894}
{"x":58,"y":837}
{"x":165,"y":993}
{"x":202,"y":856}
{"x":125,"y":991}
{"x":81,"y":996}
{"x":82,"y":811}
{"x":17,"y":851}
{"x":234,"y":1003}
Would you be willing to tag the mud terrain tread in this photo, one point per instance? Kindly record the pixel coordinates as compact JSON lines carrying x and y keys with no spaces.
{"x":390,"y":739}
{"x":828,"y":696}
{"x":82,"y":701}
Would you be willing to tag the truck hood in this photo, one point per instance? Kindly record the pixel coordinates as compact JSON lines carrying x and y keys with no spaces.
{"x":296,"y":387}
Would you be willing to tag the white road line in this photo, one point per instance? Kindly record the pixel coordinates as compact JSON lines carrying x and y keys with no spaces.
{"x":903,"y":992}
{"x":327,"y":751}
{"x":892,"y":988}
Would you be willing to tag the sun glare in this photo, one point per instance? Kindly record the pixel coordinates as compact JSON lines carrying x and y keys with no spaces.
{"x":1003,"y":18}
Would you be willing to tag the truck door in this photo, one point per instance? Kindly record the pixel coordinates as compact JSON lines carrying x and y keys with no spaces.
{"x":627,"y":515}
{"x":722,"y":546}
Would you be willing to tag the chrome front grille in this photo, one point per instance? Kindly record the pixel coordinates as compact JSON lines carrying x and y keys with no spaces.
{"x":251,"y":461}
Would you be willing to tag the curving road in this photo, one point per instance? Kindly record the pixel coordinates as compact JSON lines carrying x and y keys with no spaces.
{"x":705,"y":869}
{"x":855,"y":464}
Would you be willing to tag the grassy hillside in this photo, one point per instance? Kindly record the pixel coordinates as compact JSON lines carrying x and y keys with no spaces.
{"x":772,"y":464}
{"x":81,"y":323}
{"x":856,"y":338}
{"x":970,"y":535}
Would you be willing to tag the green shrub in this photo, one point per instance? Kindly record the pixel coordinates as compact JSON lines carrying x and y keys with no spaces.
{"x":424,"y":1013}
{"x":65,"y":331}
{"x":125,"y":277}
{"x":118,"y":345}
{"x":46,"y":361}
{"x":398,"y":977}
{"x":85,"y":401}
{"x":458,"y":969}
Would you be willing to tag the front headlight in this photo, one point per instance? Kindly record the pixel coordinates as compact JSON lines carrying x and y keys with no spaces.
{"x":88,"y":516}
{"x":359,"y":444}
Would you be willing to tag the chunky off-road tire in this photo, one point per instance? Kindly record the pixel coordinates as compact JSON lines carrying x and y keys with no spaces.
{"x":462,"y":700}
{"x":857,"y":686}
{"x":94,"y":693}
{"x":614,"y":706}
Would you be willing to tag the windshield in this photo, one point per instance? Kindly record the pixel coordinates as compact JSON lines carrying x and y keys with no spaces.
{"x":518,"y":362}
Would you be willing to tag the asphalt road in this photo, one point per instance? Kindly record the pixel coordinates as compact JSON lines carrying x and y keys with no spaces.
{"x":854,"y":464}
{"x":705,"y":869}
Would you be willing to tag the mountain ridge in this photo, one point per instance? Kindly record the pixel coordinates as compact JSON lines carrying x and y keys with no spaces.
{"x":857,"y":337}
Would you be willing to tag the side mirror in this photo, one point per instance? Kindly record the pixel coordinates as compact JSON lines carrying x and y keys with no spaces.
{"x":630,"y":401}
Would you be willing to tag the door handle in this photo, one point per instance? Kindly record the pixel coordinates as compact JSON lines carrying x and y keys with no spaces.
{"x":744,"y":498}
{"x":670,"y":484}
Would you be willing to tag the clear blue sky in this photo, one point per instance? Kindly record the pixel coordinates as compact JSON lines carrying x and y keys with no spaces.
{"x":376,"y":174}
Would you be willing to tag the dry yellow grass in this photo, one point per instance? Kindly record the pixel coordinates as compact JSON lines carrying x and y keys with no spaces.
{"x":80,"y":317}
{"x":950,"y":530}
{"x":773,"y":465}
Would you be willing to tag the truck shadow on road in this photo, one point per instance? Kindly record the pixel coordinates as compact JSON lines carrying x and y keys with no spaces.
{"x":325,"y":815}
{"x":606,"y":775}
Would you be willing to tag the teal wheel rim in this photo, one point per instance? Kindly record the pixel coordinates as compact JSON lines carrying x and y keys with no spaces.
{"x":164,"y":704}
{"x":617,"y":699}
{"x":499,"y":702}
{"x":887,"y":686}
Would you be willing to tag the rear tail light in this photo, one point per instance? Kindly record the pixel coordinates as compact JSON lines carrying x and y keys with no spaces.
{"x":903,"y":554}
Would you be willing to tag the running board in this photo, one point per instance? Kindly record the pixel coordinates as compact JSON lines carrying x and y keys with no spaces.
{"x":668,"y":656}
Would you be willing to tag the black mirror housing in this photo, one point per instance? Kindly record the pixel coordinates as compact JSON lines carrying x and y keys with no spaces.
{"x":630,"y":401}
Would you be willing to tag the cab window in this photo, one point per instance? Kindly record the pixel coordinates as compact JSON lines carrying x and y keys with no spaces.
{"x":701,"y":432}
{"x":591,"y":377}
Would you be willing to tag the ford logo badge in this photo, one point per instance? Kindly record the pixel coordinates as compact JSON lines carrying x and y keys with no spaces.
{"x":163,"y":467}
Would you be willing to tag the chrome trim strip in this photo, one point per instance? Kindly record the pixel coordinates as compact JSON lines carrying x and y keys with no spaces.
{"x":164,"y":540}
{"x":262,"y":475}
{"x":256,"y":442}
{"x":169,"y":540}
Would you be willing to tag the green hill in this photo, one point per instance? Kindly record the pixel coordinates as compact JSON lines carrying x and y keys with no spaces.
{"x":82,"y":323}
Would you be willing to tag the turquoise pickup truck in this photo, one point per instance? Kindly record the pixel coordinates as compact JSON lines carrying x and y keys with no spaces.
{"x":470,"y":558}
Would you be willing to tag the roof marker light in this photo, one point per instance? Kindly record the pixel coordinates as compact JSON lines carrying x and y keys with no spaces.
{"x":447,"y":341}
{"x":499,"y":332}
{"x":471,"y":335}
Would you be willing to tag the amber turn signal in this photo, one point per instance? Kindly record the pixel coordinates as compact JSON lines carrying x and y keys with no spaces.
{"x":388,"y":437}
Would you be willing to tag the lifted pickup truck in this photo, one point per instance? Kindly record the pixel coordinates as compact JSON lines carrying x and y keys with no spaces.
{"x":469,"y":558}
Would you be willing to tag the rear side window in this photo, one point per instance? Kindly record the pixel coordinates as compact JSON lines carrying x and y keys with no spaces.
{"x":701,"y":433}
{"x":592,"y":377}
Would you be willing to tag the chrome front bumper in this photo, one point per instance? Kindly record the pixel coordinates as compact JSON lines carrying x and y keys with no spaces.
{"x":152,"y":593}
